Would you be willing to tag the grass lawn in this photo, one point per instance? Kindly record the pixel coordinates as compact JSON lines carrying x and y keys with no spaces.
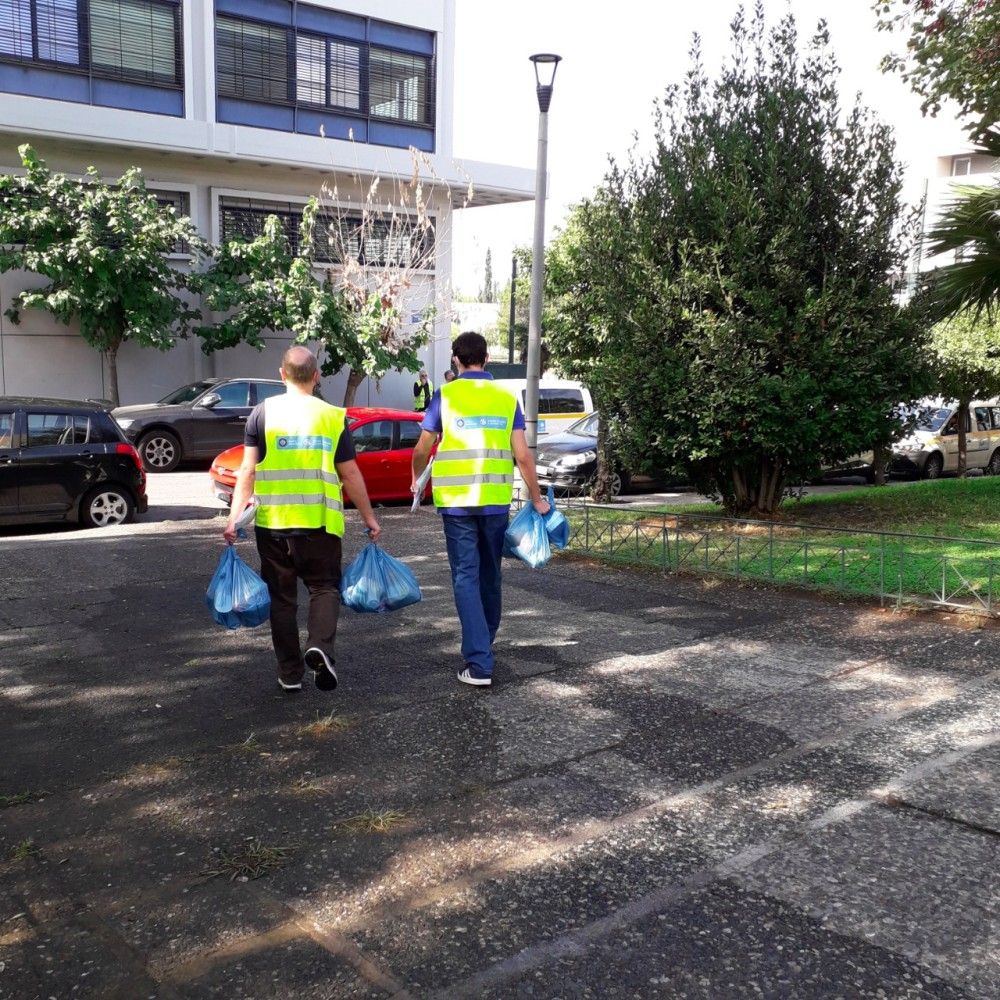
{"x":819,"y":541}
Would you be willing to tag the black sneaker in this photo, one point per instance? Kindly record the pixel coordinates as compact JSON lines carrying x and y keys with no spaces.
{"x":289,"y":687}
{"x":322,"y":666}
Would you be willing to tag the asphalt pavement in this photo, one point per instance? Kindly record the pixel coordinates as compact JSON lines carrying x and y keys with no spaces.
{"x":675,"y":788}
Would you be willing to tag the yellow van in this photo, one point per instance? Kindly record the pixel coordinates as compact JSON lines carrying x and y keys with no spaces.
{"x":561,"y":402}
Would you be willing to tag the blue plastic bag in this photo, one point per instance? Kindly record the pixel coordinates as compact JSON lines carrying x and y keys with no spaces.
{"x":375,"y":582}
{"x":236,"y":595}
{"x":556,"y":525}
{"x":526,"y":538}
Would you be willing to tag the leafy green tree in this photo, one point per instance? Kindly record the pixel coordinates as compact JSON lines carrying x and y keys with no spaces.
{"x":489,"y":290}
{"x":727,"y":297}
{"x":522,"y":307}
{"x":103,"y":249}
{"x":952,"y":53}
{"x":261,"y":285}
{"x":966,"y":359}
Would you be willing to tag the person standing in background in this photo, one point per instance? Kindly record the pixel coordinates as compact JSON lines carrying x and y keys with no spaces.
{"x":449,"y":376}
{"x":423,"y":390}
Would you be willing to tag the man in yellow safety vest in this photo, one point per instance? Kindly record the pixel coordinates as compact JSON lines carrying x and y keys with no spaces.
{"x":482,"y":436}
{"x":297,"y":451}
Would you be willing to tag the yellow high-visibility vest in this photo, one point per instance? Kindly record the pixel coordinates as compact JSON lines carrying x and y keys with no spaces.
{"x":474,"y":466}
{"x":418,"y":401}
{"x":297,"y":482}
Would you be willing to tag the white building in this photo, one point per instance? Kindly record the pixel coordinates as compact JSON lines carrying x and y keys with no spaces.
{"x":234,"y":109}
{"x":960,"y":169}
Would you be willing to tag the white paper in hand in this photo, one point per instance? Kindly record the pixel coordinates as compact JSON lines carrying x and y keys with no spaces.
{"x":249,"y":514}
{"x":422,"y":481}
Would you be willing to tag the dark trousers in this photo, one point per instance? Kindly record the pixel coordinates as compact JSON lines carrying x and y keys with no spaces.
{"x":313,"y":558}
{"x":475,"y":547}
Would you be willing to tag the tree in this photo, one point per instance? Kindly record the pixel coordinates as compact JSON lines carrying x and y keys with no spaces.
{"x":489,"y":290}
{"x":261,"y":285}
{"x":265,"y":284}
{"x":726,"y":298}
{"x":952,"y":53}
{"x":967,"y":364}
{"x":104,"y":249}
{"x":522,"y":308}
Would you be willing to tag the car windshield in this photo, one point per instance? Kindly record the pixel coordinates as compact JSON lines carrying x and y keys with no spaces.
{"x":587,"y":427}
{"x":186,"y":393}
{"x":932,"y":420}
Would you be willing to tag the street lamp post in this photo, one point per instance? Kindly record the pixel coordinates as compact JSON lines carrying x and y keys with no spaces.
{"x":546,"y":65}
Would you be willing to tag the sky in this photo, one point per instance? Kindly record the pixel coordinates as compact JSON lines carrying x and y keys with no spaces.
{"x":618,"y":57}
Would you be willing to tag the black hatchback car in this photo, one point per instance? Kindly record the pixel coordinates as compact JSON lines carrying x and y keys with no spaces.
{"x":196,"y":421}
{"x":62,"y":460}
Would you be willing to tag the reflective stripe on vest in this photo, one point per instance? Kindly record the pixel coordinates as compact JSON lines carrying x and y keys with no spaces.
{"x":473,"y":466}
{"x":297,"y":481}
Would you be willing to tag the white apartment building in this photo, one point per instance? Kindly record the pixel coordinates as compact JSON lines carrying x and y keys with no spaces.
{"x":234,"y":109}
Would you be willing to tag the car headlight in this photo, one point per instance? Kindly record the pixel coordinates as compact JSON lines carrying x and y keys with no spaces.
{"x":580,"y":458}
{"x":124,"y":422}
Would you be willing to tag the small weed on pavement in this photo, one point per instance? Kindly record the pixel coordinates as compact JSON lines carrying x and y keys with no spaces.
{"x":21,"y":798}
{"x":24,"y":850}
{"x":326,"y":725}
{"x":250,"y":745}
{"x":371,"y":821}
{"x":250,"y":860}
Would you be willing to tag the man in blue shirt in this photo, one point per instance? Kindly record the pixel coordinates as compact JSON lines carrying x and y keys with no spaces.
{"x":474,"y":533}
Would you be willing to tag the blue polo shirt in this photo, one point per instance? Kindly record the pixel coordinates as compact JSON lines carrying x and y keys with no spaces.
{"x":432,"y":423}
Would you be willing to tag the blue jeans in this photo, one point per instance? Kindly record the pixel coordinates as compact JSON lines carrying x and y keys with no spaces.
{"x":475,"y":547}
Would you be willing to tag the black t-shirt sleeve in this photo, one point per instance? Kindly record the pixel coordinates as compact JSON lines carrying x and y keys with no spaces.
{"x":253,"y":433}
{"x":345,"y":446}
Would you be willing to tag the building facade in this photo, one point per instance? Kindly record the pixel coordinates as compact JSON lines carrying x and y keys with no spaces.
{"x":235,"y":109}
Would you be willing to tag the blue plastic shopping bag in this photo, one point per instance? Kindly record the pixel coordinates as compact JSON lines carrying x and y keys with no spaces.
{"x":556,"y":525}
{"x":236,"y":595}
{"x":526,"y":538}
{"x":375,"y":582}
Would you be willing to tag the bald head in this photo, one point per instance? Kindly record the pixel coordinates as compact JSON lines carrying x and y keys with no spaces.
{"x":298,"y":365}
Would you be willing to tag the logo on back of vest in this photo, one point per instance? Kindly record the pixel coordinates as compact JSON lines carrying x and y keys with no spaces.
{"x":482,"y":423}
{"x":304,"y":442}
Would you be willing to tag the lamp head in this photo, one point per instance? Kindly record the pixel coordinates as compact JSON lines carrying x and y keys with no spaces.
{"x":546,"y":64}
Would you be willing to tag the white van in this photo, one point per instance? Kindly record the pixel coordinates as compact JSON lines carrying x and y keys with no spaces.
{"x":560,"y":402}
{"x":932,"y":447}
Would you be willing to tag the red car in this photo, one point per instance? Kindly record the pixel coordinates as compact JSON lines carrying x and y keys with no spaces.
{"x":383,"y":440}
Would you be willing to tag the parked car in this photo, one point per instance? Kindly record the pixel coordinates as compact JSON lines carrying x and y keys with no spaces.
{"x":560,"y":403}
{"x":62,"y":460}
{"x":195,"y":421}
{"x":931,"y":449}
{"x":383,"y":439}
{"x":568,"y":461}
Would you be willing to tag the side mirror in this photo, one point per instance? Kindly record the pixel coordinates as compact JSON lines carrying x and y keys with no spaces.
{"x":212,"y":399}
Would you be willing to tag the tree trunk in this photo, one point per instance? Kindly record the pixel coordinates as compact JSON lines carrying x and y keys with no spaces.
{"x":111,"y":356}
{"x":354,"y":379}
{"x":601,"y":488}
{"x":757,"y":491}
{"x":880,"y":465}
{"x":963,"y":416}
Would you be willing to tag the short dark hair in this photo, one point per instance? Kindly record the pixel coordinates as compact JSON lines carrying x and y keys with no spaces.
{"x":299,"y":365}
{"x":470,"y":349}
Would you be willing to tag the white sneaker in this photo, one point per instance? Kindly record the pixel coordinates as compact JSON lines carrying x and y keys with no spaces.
{"x":466,"y":676}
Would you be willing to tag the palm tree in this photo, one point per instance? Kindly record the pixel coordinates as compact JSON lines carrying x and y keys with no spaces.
{"x":970,"y":226}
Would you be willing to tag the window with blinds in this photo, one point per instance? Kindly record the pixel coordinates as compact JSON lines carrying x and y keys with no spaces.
{"x":398,"y":86}
{"x":136,"y":40}
{"x":379,"y":243}
{"x":278,"y":64}
{"x":251,"y":60}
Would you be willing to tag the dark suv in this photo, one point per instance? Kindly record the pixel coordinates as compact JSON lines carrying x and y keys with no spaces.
{"x":62,"y":460}
{"x":196,"y":421}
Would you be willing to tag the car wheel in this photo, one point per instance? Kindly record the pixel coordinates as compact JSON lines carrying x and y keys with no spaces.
{"x":993,"y":466}
{"x":105,"y":506}
{"x":160,"y":451}
{"x":934,"y":466}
